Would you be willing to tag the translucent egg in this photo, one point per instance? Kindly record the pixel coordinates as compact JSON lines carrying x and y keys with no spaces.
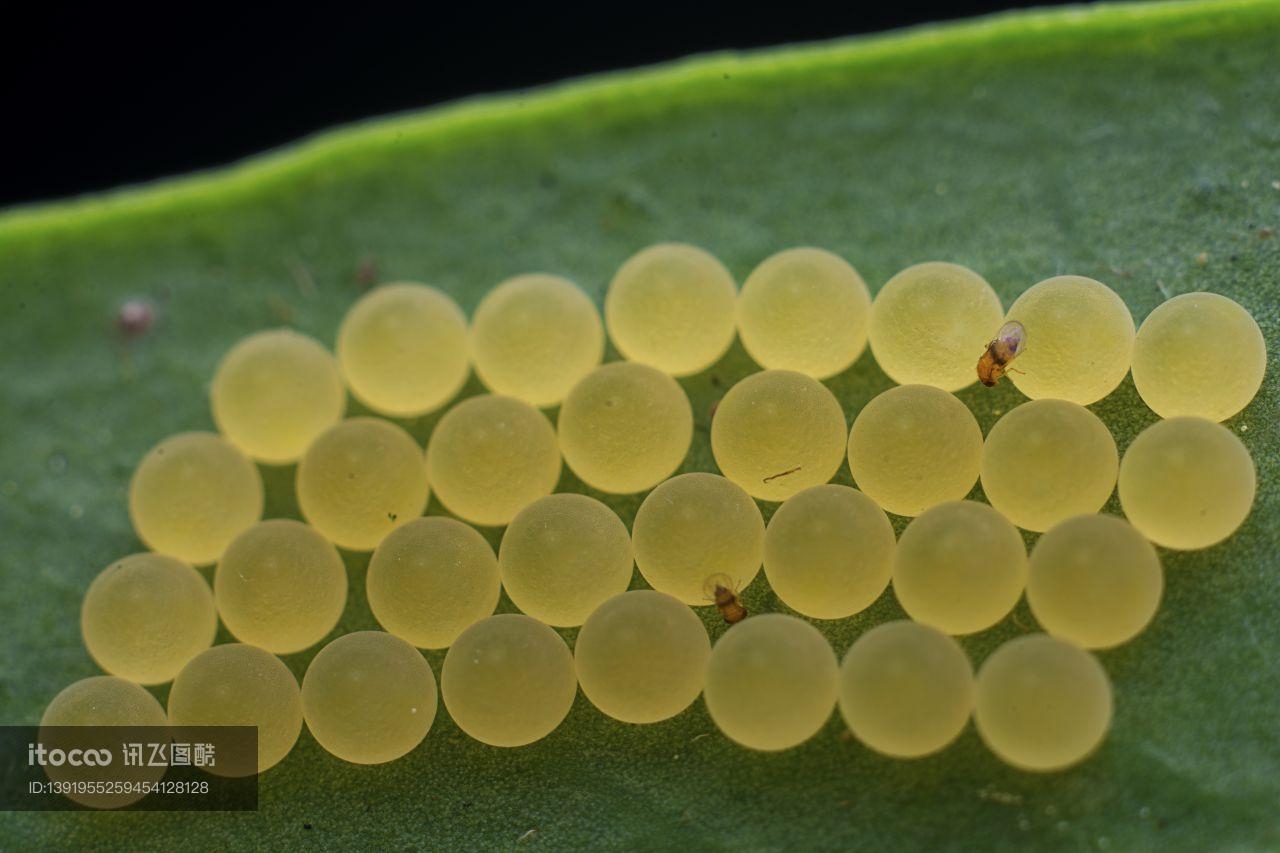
{"x":104,"y":700}
{"x":1046,"y":461}
{"x":641,"y":656}
{"x":192,"y":494}
{"x":931,"y":322}
{"x":777,"y":433}
{"x":534,"y":337}
{"x":913,"y":447}
{"x":771,"y":682}
{"x":1095,"y":581}
{"x":960,"y":567}
{"x":274,"y":392}
{"x":89,"y":708}
{"x":490,"y":457}
{"x":1187,"y":483}
{"x":508,"y":680}
{"x":1199,"y":354}
{"x":906,"y":689}
{"x":828,"y":552}
{"x":1042,"y":703}
{"x":280,"y":586}
{"x":360,"y":480}
{"x":694,"y":526}
{"x":240,"y":685}
{"x":145,"y":616}
{"x":1079,"y":340}
{"x":562,"y":556}
{"x":805,"y":310}
{"x":403,"y":349}
{"x":369,"y":697}
{"x":431,"y":579}
{"x":672,"y":306}
{"x":625,"y":427}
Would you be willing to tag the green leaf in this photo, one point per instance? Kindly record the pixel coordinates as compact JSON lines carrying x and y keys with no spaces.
{"x":1118,"y":142}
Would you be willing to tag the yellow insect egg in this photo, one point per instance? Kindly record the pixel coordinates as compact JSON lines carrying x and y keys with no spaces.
{"x":280,"y":586}
{"x":403,"y":349}
{"x":1042,"y":703}
{"x":777,"y":433}
{"x":1046,"y":461}
{"x":534,"y":337}
{"x":805,"y":310}
{"x":1199,"y":354}
{"x":369,"y":697}
{"x":274,"y":392}
{"x":360,"y":480}
{"x":828,"y":552}
{"x":192,"y":494}
{"x":490,"y":457}
{"x":906,"y":689}
{"x":240,"y":685}
{"x":508,"y":680}
{"x":695,"y":526}
{"x":1078,"y":340}
{"x":562,"y":556}
{"x":672,"y":306}
{"x":913,"y":447}
{"x":1095,"y":581}
{"x":145,"y":616}
{"x":86,"y":708}
{"x":771,"y":682}
{"x":960,"y":567}
{"x":1187,"y":483}
{"x":641,"y":656}
{"x":625,"y":427}
{"x":931,"y":322}
{"x":431,"y":579}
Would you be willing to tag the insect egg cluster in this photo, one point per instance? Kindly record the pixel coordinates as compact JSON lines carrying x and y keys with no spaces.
{"x":574,"y":565}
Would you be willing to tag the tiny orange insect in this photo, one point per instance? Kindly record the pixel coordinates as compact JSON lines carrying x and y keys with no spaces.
{"x":1007,"y":345}
{"x":723,"y":592}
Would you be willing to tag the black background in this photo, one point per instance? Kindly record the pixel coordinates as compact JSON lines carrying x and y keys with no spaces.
{"x":94,"y":99}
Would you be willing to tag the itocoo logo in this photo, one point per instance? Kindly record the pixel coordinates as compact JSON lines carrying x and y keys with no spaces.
{"x":38,"y":754}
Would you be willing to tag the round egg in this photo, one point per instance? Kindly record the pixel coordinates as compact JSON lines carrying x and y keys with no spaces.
{"x":533,"y":338}
{"x":1046,"y":461}
{"x":913,"y":447}
{"x":1179,"y":353}
{"x":805,"y":310}
{"x":1078,"y":341}
{"x":960,"y":567}
{"x":369,"y":697}
{"x":508,"y":680}
{"x":192,"y":494}
{"x":672,"y":306}
{"x":562,"y":556}
{"x":906,"y":690}
{"x":828,"y":552}
{"x":274,"y":392}
{"x":641,"y":656}
{"x":1187,"y":483}
{"x":931,"y":322}
{"x":777,"y":433}
{"x":693,"y":527}
{"x":403,"y":349}
{"x":361,"y":480}
{"x":431,"y":579}
{"x":280,"y":586}
{"x":625,"y":427}
{"x":145,"y":616}
{"x":490,"y":457}
{"x":771,"y":682}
